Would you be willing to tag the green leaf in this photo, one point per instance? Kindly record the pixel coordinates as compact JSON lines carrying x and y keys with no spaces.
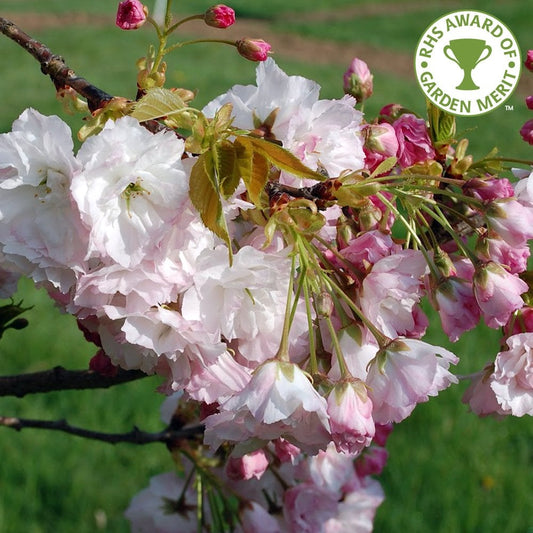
{"x":441,"y":124}
{"x":225,"y":157}
{"x":157,"y":103}
{"x":385,"y":166}
{"x":280,"y":157}
{"x":205,"y":196}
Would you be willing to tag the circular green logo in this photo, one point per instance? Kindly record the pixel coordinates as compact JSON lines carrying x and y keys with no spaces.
{"x":467,"y":63}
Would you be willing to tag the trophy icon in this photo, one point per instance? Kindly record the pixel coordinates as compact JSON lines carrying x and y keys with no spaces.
{"x":467,"y":53}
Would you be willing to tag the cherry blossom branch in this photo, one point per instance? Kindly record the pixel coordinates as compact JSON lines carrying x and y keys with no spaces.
{"x":135,"y":436}
{"x":58,"y":378}
{"x":55,"y":67}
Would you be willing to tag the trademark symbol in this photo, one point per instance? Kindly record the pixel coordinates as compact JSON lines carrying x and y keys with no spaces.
{"x":509,"y":107}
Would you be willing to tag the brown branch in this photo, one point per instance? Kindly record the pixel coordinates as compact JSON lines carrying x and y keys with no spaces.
{"x":135,"y":436}
{"x":55,"y":67}
{"x":59,"y":378}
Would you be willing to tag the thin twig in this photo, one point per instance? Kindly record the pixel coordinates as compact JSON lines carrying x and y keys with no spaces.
{"x":55,"y":67}
{"x":135,"y":436}
{"x":58,"y":378}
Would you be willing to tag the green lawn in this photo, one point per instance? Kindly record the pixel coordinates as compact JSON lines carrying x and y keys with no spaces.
{"x":448,"y":470}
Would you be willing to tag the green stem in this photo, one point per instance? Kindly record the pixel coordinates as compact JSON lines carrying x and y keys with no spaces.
{"x":183,"y":21}
{"x":283,"y":351}
{"x":338,"y":350}
{"x":196,"y":41}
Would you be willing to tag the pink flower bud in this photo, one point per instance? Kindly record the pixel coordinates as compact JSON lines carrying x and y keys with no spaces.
{"x":251,"y":465}
{"x":371,"y":462}
{"x":528,"y":63}
{"x":358,"y":80}
{"x":101,"y":364}
{"x":253,"y":49}
{"x":380,"y":143}
{"x":529,"y":101}
{"x":527,"y":131}
{"x":131,"y":14}
{"x":219,"y":16}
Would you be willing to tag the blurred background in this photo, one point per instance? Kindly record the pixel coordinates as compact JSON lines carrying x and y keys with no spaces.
{"x":448,"y":471}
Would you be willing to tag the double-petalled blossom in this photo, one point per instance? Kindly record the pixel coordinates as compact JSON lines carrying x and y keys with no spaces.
{"x":414,"y":144}
{"x":391,"y":293}
{"x":457,"y":307}
{"x":131,"y":189}
{"x":41,"y":233}
{"x":512,"y":380}
{"x":279,"y":401}
{"x":288,"y":108}
{"x":497,"y":293}
{"x":404,"y":374}
{"x":350,"y":414}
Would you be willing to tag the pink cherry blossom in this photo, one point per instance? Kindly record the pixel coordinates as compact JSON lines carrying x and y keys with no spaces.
{"x":368,"y":248}
{"x":350,"y":416}
{"x":41,"y":233}
{"x":457,"y":307}
{"x":479,"y":395}
{"x":489,"y":189}
{"x":414,"y":145}
{"x":307,"y":507}
{"x":358,"y":508}
{"x":391,"y":293}
{"x":511,"y":220}
{"x":279,"y":401}
{"x":164,"y":507}
{"x":132,"y":187}
{"x":497,"y":293}
{"x":512,"y":381}
{"x":500,"y":251}
{"x":404,"y":374}
{"x":244,"y":301}
{"x":317,"y":131}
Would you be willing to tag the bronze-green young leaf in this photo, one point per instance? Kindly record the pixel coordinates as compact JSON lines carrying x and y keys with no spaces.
{"x":280,"y":157}
{"x":225,"y":157}
{"x":253,"y":168}
{"x":157,"y":103}
{"x":205,"y":196}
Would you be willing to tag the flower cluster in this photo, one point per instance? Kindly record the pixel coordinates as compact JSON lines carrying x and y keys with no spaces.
{"x":270,"y":265}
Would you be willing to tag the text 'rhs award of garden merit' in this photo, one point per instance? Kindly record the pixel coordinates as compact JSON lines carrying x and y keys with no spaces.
{"x":468,"y":63}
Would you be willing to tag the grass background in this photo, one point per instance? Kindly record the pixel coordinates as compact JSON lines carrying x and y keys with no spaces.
{"x":448,"y":470}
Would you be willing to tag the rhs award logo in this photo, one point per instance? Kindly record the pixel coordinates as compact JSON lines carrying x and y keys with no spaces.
{"x":467,"y":63}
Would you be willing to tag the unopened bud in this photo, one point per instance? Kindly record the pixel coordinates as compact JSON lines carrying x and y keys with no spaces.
{"x":358,"y":81}
{"x":219,"y":16}
{"x":528,"y":63}
{"x":324,"y":304}
{"x":131,"y":14}
{"x":253,"y":49}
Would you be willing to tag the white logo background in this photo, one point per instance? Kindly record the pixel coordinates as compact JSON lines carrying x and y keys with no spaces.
{"x":496,"y":75}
